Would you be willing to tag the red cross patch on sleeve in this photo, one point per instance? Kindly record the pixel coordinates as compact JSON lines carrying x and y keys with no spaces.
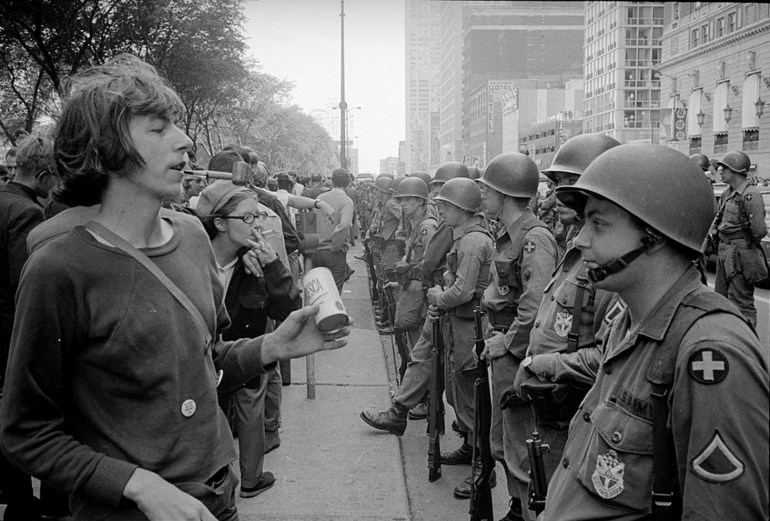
{"x":708,"y":366}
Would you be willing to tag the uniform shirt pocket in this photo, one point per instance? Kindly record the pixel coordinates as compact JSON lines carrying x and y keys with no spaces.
{"x":562,"y":316}
{"x":617,"y":464}
{"x":506,"y":273}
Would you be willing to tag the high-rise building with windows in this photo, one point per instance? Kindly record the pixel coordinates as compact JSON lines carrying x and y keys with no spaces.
{"x":622,"y":48}
{"x":714,"y":79}
{"x":423,"y":77}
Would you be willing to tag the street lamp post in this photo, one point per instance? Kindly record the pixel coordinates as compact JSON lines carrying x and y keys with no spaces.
{"x":343,"y":105}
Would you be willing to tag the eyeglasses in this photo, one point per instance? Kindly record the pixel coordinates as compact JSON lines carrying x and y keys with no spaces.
{"x":248,"y":218}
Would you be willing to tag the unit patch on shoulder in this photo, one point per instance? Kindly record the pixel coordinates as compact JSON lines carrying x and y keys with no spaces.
{"x":529,"y":246}
{"x":503,"y":290}
{"x":424,"y":232}
{"x":708,"y":366}
{"x":716,"y":463}
{"x":748,"y":197}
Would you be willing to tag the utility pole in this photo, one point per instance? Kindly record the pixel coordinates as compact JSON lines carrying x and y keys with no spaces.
{"x":343,"y":104}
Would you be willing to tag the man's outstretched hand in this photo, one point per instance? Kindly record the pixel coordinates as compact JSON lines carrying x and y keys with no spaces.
{"x":298,"y":336}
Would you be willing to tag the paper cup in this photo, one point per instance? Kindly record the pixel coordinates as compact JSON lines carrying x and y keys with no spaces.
{"x":319,"y":288}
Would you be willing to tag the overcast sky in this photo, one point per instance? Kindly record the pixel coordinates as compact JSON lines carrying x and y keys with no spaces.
{"x":299,"y":40}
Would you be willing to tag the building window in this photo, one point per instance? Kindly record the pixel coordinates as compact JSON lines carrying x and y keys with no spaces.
{"x":704,"y":33}
{"x":695,"y":143}
{"x":694,"y":38}
{"x":750,"y":139}
{"x":720,"y":27}
{"x":749,"y":14}
{"x":720,"y":143}
{"x":731,"y":22}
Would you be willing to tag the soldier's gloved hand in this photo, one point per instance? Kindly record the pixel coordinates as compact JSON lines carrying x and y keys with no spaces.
{"x":402,"y":266}
{"x":522,"y":375}
{"x":495,"y":346}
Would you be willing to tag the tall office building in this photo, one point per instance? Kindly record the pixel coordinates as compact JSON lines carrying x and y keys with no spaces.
{"x":714,"y":79}
{"x":505,"y":45}
{"x":423,"y":68}
{"x":622,"y":47}
{"x":451,"y":90}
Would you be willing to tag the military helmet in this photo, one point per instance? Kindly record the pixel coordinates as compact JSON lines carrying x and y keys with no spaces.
{"x":422,"y":175}
{"x":383,"y":183}
{"x":736,"y":161}
{"x":397,"y":181}
{"x":658,"y":185}
{"x":461,"y":192}
{"x":474,"y":173}
{"x":449,"y":171}
{"x":512,"y":174}
{"x":702,"y":161}
{"x":412,"y":187}
{"x":577,"y":153}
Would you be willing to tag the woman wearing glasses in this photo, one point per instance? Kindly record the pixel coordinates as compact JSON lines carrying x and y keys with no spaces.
{"x":258,"y":285}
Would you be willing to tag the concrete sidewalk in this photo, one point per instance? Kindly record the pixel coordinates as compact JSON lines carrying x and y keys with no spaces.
{"x":329,"y":466}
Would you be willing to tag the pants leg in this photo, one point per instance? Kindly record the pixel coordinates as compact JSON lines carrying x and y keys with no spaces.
{"x":463,"y":371}
{"x":250,"y":418}
{"x":733,"y":285}
{"x":417,"y":377}
{"x":502,"y":379}
{"x":273,"y":397}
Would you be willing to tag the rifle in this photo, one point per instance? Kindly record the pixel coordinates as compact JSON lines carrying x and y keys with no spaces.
{"x":435,"y":402}
{"x":370,"y":268}
{"x":537,"y":478}
{"x":481,"y":492}
{"x":400,"y":336}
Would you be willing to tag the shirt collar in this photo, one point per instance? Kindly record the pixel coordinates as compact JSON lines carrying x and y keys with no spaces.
{"x":464,"y":227}
{"x":657,"y":323}
{"x":18,"y":188}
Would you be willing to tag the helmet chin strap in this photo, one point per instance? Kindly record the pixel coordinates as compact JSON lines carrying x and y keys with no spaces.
{"x":649,"y":240}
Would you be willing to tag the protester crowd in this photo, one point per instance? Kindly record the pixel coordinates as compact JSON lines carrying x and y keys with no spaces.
{"x":147,"y":303}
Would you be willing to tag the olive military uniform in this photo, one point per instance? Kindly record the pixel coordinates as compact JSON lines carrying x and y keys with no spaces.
{"x":740,"y":225}
{"x":718,"y":420}
{"x":523,"y":264}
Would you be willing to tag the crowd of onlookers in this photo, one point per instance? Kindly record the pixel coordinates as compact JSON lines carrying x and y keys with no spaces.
{"x":262,"y":284}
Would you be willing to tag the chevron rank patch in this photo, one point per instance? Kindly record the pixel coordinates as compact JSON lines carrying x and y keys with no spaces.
{"x":716,"y":463}
{"x":708,"y":366}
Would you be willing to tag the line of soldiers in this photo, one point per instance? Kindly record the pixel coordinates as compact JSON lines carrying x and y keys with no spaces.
{"x":556,"y":326}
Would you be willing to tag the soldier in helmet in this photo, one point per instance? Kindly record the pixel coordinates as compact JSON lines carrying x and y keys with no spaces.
{"x":384,"y":229}
{"x":414,"y":385}
{"x":465,"y":278}
{"x":564,"y":343}
{"x":419,"y":227}
{"x":676,"y":424}
{"x":703,"y":162}
{"x":525,"y":257}
{"x":738,"y":228}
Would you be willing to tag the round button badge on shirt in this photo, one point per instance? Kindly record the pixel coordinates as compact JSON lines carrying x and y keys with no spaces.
{"x":188,"y":408}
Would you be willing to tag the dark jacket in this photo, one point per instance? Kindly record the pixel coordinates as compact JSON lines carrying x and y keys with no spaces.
{"x":251,"y":300}
{"x":19,"y":213}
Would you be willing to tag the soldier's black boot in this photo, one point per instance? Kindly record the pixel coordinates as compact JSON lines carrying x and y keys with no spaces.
{"x":459,"y":456}
{"x":515,"y":513}
{"x":393,"y":420}
{"x":463,"y":490}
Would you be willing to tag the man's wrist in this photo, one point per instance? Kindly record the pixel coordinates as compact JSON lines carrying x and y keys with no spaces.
{"x":315,"y":204}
